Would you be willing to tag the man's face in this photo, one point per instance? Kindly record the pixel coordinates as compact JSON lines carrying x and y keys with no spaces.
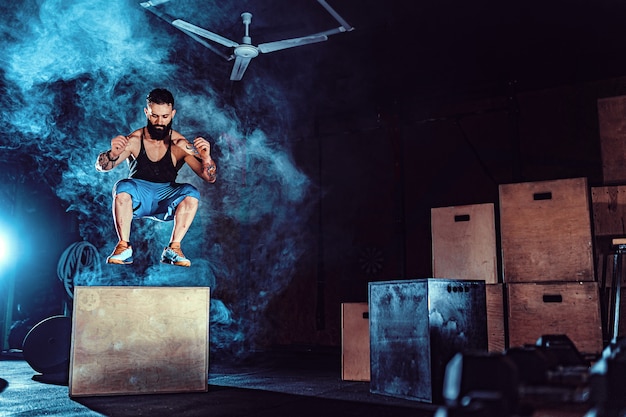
{"x":159,"y":118}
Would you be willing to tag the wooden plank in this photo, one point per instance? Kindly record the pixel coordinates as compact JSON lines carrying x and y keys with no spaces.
{"x":464,"y":242}
{"x":139,"y":340}
{"x":355,"y":342}
{"x":570,"y":308}
{"x":545,"y":229}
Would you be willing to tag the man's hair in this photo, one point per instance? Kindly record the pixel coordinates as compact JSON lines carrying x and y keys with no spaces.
{"x":160,"y":96}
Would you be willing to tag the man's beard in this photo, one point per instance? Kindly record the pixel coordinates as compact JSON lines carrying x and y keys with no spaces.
{"x":158,"y":132}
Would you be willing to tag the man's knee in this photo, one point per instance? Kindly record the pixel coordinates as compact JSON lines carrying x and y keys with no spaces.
{"x":190,"y":202}
{"x":187,"y":205}
{"x":123,"y":198}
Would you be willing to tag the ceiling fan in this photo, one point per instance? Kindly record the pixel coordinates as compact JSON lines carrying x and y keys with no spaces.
{"x":245,"y":51}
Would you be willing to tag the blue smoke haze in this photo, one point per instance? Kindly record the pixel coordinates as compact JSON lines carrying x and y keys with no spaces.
{"x":75,"y":74}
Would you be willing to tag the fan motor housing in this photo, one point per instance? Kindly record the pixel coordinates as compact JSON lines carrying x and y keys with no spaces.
{"x":246,"y":51}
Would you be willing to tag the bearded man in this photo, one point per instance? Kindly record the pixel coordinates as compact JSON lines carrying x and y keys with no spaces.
{"x":155,"y":154}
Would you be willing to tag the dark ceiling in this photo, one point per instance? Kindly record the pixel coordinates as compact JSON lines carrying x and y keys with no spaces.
{"x":414,"y":50}
{"x":456,"y":45}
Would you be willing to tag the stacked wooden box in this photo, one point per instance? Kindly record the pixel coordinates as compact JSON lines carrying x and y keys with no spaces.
{"x":609,"y":205}
{"x":548,"y":281}
{"x":609,"y":217}
{"x":547,"y":260}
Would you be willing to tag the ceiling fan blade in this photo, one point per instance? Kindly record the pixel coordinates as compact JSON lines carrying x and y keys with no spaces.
{"x":169,"y":19}
{"x":330,"y":32}
{"x":150,"y":3}
{"x":181,"y":24}
{"x":290,"y":43}
{"x":240,"y":66}
{"x":334,"y":14}
{"x":208,"y":45}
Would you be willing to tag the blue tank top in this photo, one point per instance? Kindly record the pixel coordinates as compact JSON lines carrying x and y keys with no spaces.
{"x":162,"y":171}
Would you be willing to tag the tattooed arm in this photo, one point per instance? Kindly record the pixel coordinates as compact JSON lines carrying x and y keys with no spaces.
{"x":199,"y":158}
{"x":120,"y":150}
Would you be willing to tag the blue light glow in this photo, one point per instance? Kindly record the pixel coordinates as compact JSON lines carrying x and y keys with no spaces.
{"x":75,"y":74}
{"x":4,"y":248}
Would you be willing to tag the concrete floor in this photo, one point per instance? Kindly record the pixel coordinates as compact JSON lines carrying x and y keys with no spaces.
{"x":251,"y":389}
{"x":294,"y":384}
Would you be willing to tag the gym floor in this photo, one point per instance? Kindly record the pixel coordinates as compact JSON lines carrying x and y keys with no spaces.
{"x":287,"y":384}
{"x":308,"y":386}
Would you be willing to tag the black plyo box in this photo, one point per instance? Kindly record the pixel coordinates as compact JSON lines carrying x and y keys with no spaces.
{"x":416,"y":326}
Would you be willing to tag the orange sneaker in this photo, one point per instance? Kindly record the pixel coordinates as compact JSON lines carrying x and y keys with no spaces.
{"x":122,"y":254}
{"x":174,"y":256}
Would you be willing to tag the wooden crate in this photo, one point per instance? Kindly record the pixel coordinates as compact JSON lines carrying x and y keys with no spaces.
{"x":609,"y":221}
{"x":464,"y":242}
{"x":139,"y":340}
{"x":612,"y":129}
{"x":496,"y":332}
{"x":545,"y":229}
{"x":355,"y":342}
{"x":570,"y":308}
{"x":609,"y":210}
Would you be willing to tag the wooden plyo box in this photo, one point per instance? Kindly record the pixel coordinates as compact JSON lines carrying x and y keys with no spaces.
{"x":496,"y":332}
{"x":609,"y":221}
{"x":355,"y":342}
{"x":569,"y":308}
{"x":545,"y":229}
{"x":612,"y":127}
{"x":609,"y":211}
{"x":139,"y":340}
{"x":464,"y":242}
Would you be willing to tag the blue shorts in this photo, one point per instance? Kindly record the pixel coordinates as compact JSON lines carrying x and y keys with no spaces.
{"x":155,"y":200}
